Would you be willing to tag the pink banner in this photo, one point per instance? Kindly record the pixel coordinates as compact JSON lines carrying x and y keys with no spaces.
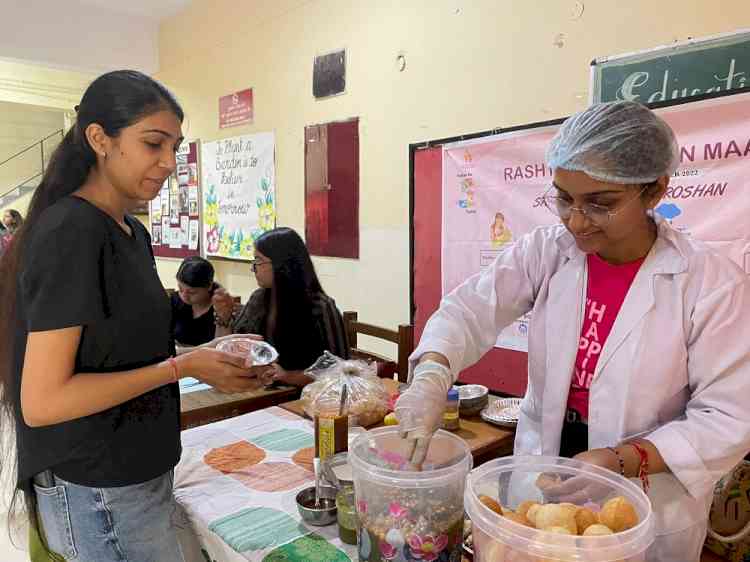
{"x":492,"y":186}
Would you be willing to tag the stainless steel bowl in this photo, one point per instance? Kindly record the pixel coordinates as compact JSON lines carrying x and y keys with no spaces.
{"x":320,"y":516}
{"x":472,"y":398}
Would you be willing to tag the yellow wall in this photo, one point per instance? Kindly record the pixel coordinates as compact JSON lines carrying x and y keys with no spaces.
{"x":471,"y":65}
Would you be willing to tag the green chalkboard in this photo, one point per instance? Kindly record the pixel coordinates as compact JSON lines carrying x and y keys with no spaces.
{"x":678,"y":71}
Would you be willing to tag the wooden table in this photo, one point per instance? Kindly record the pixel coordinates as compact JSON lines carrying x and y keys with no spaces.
{"x":485,"y":440}
{"x":207,"y":406}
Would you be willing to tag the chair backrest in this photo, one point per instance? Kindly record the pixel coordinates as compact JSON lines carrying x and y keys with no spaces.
{"x":403,"y":338}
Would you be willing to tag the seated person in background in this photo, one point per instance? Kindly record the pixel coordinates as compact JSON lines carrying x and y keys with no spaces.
{"x":290,"y":310}
{"x":11,"y":222}
{"x":192,"y":311}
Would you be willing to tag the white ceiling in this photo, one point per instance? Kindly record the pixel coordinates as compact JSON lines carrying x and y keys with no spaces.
{"x":85,"y":35}
{"x":156,"y":10}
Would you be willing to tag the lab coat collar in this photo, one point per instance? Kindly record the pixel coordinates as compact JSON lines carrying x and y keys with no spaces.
{"x":667,"y":255}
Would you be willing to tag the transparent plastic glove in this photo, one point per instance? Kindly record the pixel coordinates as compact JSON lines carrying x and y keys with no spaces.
{"x":419,"y":410}
{"x":579,"y":490}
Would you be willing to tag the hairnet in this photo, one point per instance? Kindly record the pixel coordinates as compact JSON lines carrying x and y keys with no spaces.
{"x":617,"y":142}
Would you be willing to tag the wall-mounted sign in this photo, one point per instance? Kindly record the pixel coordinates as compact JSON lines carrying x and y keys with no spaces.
{"x":236,"y":109}
{"x":682,"y":70}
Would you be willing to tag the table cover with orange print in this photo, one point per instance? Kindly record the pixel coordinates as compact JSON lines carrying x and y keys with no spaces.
{"x":235,"y":487}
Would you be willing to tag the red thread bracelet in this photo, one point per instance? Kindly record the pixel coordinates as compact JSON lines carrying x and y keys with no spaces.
{"x":643,"y":466}
{"x":175,"y":371}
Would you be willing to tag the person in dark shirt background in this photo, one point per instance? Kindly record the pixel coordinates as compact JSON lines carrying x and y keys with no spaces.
{"x":192,"y":311}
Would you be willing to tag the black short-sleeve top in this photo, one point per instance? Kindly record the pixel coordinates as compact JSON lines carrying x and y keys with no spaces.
{"x":189,"y":330}
{"x":80,"y":268}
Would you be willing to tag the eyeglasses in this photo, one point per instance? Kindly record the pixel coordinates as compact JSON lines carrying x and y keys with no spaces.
{"x":600,"y":215}
{"x":255,"y":264}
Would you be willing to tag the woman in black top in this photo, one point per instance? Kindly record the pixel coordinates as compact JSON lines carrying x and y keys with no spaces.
{"x":290,"y":310}
{"x":86,"y":360}
{"x":192,"y":311}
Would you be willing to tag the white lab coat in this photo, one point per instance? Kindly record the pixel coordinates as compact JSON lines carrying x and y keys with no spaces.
{"x":675,"y":368}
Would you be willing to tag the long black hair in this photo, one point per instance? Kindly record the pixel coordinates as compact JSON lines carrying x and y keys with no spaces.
{"x":295,"y":286}
{"x":115,"y":100}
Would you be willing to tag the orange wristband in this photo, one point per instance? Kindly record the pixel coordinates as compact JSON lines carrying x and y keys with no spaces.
{"x":175,"y":371}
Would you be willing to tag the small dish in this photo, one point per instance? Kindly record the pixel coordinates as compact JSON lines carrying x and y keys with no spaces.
{"x":472,"y":398}
{"x":503,"y":412}
{"x":320,"y":516}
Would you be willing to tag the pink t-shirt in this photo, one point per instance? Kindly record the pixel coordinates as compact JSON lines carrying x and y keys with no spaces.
{"x":607,"y":287}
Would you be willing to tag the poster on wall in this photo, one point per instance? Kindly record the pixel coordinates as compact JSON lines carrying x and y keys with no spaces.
{"x":491,"y":197}
{"x":492,"y":189}
{"x":177,"y":202}
{"x":239,"y":199}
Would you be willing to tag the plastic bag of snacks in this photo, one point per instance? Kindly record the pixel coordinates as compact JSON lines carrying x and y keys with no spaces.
{"x":366,"y":400}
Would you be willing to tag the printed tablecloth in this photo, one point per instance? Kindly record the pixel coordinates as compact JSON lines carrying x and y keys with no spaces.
{"x":235,"y":488}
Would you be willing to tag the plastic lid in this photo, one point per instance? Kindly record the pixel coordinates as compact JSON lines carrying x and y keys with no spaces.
{"x":380,"y":456}
{"x":453,"y":394}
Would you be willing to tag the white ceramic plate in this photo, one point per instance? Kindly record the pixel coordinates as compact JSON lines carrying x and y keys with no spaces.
{"x":503,"y":412}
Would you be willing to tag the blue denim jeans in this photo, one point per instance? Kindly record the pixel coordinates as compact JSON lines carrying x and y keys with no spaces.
{"x":126,"y":524}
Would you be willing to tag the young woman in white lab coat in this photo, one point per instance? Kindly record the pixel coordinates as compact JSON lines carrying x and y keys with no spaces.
{"x":674,"y":371}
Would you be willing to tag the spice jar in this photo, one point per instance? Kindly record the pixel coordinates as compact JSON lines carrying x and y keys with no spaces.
{"x":450,"y":415}
{"x":347,"y":515}
{"x":331,"y":435}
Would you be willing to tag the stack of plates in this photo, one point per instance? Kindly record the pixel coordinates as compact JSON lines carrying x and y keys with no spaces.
{"x":503,"y":412}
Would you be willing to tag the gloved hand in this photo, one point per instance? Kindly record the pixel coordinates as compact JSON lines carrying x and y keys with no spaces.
{"x":419,"y":410}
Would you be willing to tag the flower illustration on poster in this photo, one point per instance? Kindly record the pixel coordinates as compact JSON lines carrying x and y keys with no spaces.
{"x":240,"y":197}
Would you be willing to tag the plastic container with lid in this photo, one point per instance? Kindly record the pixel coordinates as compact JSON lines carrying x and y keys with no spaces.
{"x":513,"y":480}
{"x":406,"y":514}
{"x":254,"y":351}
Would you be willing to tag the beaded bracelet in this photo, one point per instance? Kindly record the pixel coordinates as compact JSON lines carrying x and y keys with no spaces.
{"x":619,"y":460}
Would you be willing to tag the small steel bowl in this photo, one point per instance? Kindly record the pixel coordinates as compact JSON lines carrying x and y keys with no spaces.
{"x":472,"y":398}
{"x":320,"y":516}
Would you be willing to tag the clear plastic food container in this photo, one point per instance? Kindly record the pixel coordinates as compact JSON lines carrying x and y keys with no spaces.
{"x":407,"y":514}
{"x":255,"y":352}
{"x":515,"y":480}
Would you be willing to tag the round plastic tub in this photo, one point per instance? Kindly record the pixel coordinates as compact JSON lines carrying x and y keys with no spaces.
{"x":406,"y":514}
{"x":513,"y":480}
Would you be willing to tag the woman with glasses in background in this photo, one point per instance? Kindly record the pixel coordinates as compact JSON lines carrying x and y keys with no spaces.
{"x":637,"y":360}
{"x":290,"y":310}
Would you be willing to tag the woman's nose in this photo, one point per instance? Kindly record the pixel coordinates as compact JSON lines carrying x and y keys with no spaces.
{"x":578,"y":221}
